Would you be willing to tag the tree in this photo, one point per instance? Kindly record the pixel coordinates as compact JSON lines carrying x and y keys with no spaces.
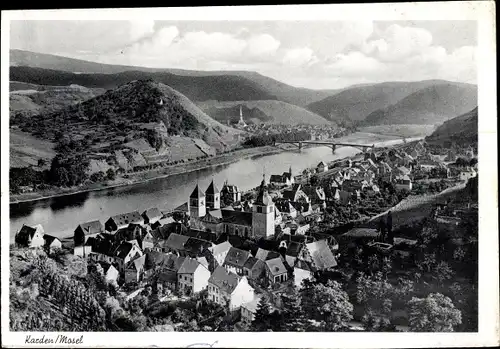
{"x":292,"y":314}
{"x":328,"y":304}
{"x":435,"y":313}
{"x":376,"y":294}
{"x":111,"y":174}
{"x":262,"y":319}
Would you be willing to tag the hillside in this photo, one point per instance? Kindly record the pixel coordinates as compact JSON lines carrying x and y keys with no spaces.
{"x":271,"y":87}
{"x":269,"y":112}
{"x":356,"y":103}
{"x":429,"y":105}
{"x":196,"y":88}
{"x":461,"y":129}
{"x":34,"y":99}
{"x":138,"y":124}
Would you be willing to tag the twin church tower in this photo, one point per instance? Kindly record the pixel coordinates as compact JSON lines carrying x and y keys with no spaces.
{"x":262,"y":215}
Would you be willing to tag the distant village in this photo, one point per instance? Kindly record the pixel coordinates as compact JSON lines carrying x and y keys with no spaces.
{"x":237,"y":247}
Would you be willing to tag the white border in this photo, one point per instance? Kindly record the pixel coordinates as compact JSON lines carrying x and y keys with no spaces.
{"x":482,"y":11}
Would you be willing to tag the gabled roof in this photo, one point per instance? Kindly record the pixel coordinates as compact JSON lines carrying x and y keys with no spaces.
{"x":321,"y":254}
{"x":251,"y":262}
{"x":361,"y":232}
{"x":236,"y":257}
{"x":49,"y":239}
{"x":151,"y":213}
{"x":197,"y":193}
{"x":163,"y":232}
{"x":189,"y":266}
{"x":221,"y":248}
{"x":264,"y":255}
{"x":322,"y":164}
{"x":90,"y":228}
{"x":123,"y":250}
{"x":136,"y":263}
{"x":237,"y":217}
{"x":176,"y":241}
{"x":155,"y":259}
{"x":196,"y":246}
{"x":225,"y":280}
{"x":173,"y":262}
{"x":126,"y":218}
{"x":27,"y":232}
{"x":294,"y":248}
{"x":212,"y":189}
{"x":276,"y":266}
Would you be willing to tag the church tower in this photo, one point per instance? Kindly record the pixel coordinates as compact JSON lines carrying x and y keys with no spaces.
{"x":197,"y":206}
{"x":213,"y":196}
{"x":241,"y":122}
{"x":263,"y":213}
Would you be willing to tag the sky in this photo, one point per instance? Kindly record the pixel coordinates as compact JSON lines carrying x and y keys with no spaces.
{"x":312,"y":54}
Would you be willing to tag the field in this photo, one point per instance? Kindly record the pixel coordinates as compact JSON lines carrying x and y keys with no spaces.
{"x":402,"y":130}
{"x":26,"y":150}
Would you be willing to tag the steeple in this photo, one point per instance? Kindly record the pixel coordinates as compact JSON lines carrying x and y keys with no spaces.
{"x":290,"y":170}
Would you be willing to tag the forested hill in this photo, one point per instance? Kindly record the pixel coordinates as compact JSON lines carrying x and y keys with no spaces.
{"x":196,"y":88}
{"x":140,"y":101}
{"x":461,"y":129}
{"x":272,"y":87}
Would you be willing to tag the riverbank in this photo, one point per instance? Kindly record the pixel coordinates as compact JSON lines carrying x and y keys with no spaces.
{"x":149,"y":175}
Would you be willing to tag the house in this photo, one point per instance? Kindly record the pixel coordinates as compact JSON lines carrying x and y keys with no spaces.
{"x":467,"y":174}
{"x":286,"y":208}
{"x":192,"y":276}
{"x":230,"y":194}
{"x":175,"y":243}
{"x":125,"y":252}
{"x":123,"y":220}
{"x":296,"y":194}
{"x":87,"y":230}
{"x":254,"y":268}
{"x":134,"y":269}
{"x":235,"y":260}
{"x":167,"y":275}
{"x":109,"y":272}
{"x":152,"y":215}
{"x":316,"y":194}
{"x":322,"y":167}
{"x":276,"y":270}
{"x":284,"y":179}
{"x":30,"y":236}
{"x":51,"y":242}
{"x":427,"y":165}
{"x":301,"y":271}
{"x":129,"y":233}
{"x":228,"y":289}
{"x":403,"y":183}
{"x":264,"y":254}
{"x":319,"y":255}
{"x":219,"y":252}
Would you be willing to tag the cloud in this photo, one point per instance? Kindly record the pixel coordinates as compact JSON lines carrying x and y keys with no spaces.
{"x":141,"y":29}
{"x":398,"y":42}
{"x":298,"y":57}
{"x":354,"y":64}
{"x":261,"y":46}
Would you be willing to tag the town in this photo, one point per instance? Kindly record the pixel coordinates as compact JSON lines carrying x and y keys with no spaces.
{"x":327,"y":249}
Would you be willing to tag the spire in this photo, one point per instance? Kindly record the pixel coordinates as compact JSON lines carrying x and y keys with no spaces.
{"x":290,"y":170}
{"x":241,"y":113}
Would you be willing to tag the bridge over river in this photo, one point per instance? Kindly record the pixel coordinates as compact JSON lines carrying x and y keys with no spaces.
{"x":329,"y":143}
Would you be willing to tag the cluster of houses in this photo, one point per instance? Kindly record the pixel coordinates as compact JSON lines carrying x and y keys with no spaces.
{"x":35,"y":237}
{"x":238,"y":249}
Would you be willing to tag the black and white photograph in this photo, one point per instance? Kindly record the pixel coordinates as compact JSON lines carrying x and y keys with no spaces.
{"x":248,"y":174}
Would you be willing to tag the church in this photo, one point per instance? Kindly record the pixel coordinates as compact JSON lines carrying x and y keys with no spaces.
{"x":205,"y":208}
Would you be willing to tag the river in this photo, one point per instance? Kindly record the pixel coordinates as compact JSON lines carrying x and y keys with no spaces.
{"x":60,"y":215}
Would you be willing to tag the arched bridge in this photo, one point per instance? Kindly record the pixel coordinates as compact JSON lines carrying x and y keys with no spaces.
{"x":331,"y":144}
